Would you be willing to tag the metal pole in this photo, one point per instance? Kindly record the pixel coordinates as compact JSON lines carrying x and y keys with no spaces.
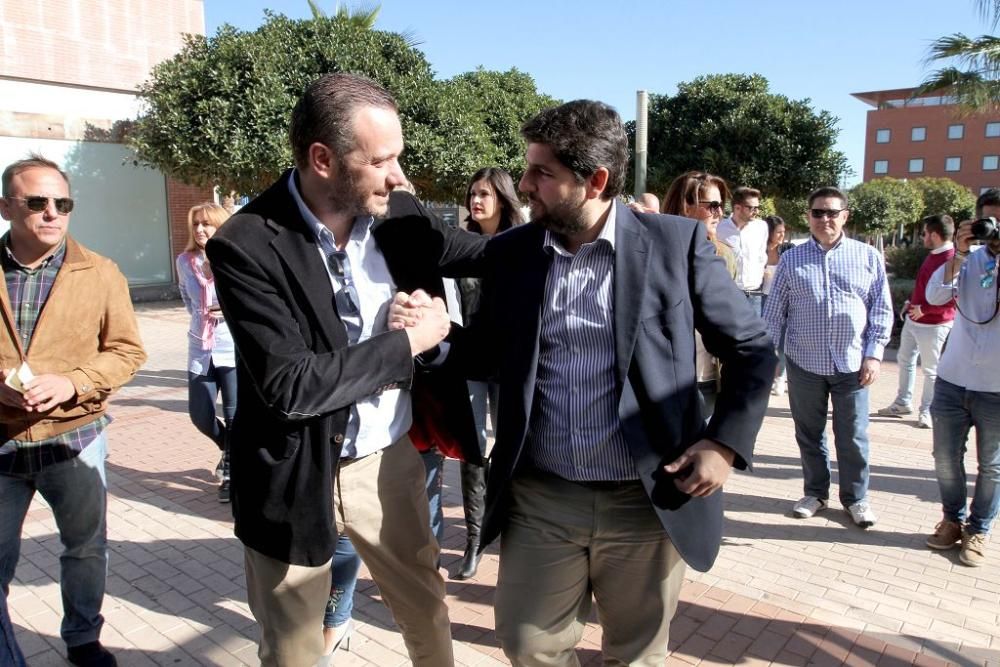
{"x":641,"y":120}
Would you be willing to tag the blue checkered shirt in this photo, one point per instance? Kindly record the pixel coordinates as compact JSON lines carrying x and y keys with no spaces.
{"x":28,"y":290}
{"x":833,"y":305}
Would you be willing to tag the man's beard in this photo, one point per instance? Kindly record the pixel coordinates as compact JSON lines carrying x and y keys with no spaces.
{"x":346,"y":196}
{"x":565,"y":218}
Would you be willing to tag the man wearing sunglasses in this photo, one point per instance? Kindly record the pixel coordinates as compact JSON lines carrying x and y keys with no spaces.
{"x":747,"y":235}
{"x":831,"y":297}
{"x":967,"y":391}
{"x":70,"y":339}
{"x":305,"y":275}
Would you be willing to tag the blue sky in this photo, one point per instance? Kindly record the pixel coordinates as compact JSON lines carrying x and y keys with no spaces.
{"x":608,"y":50}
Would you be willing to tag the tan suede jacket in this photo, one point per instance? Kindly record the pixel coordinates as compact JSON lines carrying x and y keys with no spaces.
{"x":86,"y":331}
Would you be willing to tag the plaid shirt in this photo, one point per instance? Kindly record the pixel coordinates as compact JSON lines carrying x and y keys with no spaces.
{"x":834,"y":306}
{"x":28,"y":290}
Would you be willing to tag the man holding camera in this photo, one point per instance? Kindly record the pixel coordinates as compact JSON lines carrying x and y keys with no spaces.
{"x":967,"y":393}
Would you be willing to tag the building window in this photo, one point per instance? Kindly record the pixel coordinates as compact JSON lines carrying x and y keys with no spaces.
{"x":918,"y":134}
{"x":953,"y":164}
{"x":917,"y":165}
{"x":993,"y":129}
{"x":991,"y":162}
{"x":883,"y":136}
{"x":956,"y":131}
{"x":985,"y":188}
{"x":881,"y":166}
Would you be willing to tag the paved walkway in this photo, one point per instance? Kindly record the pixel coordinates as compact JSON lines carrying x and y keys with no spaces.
{"x":783,"y":592}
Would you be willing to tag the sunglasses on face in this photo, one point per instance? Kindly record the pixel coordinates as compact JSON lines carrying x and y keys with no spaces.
{"x":752,"y":209}
{"x":820,"y":213}
{"x":38,"y":203}
{"x":711,"y":205}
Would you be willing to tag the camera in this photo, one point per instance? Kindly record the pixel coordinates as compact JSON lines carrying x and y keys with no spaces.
{"x":985,"y":229}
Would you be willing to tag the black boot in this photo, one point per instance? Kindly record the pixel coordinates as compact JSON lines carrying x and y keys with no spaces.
{"x":224,"y":486}
{"x":474,"y":503}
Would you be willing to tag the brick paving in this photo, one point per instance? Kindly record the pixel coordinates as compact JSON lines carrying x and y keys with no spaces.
{"x":783,"y":592}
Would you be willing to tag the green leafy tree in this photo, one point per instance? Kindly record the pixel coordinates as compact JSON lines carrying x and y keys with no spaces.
{"x":945,"y":196}
{"x":504,"y":101}
{"x":733,"y":126}
{"x":883,"y":205}
{"x":972,"y":70}
{"x":217,"y":113}
{"x":793,"y":211}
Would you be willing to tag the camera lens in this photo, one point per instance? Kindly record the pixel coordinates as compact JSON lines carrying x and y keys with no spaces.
{"x":985,"y":229}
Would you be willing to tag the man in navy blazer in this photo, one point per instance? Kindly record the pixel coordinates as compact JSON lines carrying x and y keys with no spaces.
{"x":604,"y":477}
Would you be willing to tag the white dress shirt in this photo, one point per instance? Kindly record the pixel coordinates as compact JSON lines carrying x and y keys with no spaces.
{"x":749,"y":248}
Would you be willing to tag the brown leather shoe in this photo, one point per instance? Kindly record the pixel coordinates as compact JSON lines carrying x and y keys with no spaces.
{"x":946,"y":535}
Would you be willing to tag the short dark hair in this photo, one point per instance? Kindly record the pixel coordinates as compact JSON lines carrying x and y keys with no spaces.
{"x":684,"y":192}
{"x":743,"y":193}
{"x":325,"y":112}
{"x":989,"y":197}
{"x":33,"y":161}
{"x":828,"y":191}
{"x":503,"y":186}
{"x":584,"y":136}
{"x":942,"y":225}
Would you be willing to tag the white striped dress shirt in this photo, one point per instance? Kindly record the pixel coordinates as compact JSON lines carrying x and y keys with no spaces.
{"x":575,"y":432}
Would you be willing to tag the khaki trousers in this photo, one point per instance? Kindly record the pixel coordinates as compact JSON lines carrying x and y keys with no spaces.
{"x":565,"y":542}
{"x":381,"y":504}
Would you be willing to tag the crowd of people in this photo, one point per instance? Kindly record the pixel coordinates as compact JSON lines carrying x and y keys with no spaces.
{"x":623,"y":354}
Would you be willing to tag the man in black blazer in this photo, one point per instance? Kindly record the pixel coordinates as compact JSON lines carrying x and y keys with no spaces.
{"x":604,"y":477}
{"x":305,"y":274}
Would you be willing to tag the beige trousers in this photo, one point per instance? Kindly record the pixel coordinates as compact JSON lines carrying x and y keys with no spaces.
{"x":381,"y":504}
{"x":566,"y":542}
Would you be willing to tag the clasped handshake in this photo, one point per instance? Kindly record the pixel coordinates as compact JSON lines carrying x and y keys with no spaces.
{"x":425,"y":319}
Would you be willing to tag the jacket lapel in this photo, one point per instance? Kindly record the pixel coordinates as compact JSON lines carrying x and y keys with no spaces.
{"x":632,"y":258}
{"x":529,"y":296}
{"x":295,"y":245}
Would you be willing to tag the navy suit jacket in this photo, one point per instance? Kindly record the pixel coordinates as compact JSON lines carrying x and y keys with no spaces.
{"x":668,"y":282}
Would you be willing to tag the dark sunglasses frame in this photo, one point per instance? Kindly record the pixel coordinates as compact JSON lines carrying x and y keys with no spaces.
{"x":712,"y":205}
{"x":820,"y":213}
{"x":38,"y":203}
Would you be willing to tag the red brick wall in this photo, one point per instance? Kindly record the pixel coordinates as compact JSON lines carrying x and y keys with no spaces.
{"x":107,"y":44}
{"x":180,"y":199}
{"x":935,"y":148}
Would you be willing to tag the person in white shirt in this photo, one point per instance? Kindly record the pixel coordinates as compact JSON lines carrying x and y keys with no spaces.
{"x":747,"y":235}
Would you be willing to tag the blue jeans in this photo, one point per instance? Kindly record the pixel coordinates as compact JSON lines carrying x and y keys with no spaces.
{"x":76,"y":490}
{"x":808,"y":396}
{"x":346,"y":565}
{"x":434,"y":467}
{"x":927,"y":342}
{"x":756,"y":301}
{"x":203,"y":390}
{"x":955,"y":411}
{"x":10,"y":652}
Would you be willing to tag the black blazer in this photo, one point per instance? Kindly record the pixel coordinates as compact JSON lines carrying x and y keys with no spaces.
{"x":668,"y":282}
{"x":297,"y":376}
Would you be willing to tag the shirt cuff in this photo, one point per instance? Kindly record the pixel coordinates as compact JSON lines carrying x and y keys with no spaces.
{"x":875,"y":351}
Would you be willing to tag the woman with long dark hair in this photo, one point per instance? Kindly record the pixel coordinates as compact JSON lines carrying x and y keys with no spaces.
{"x":703,"y":196}
{"x":493,"y":208}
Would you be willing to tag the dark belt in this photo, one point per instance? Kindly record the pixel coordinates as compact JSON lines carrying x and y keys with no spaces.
{"x":593,"y":485}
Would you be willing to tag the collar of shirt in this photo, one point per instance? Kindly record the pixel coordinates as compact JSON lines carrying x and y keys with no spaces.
{"x":552,"y":243}
{"x":819,"y":246}
{"x":945,"y":247}
{"x":359,"y":232}
{"x":8,"y":254}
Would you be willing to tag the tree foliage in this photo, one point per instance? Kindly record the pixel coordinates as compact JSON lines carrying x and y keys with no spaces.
{"x":945,"y":196}
{"x":217,"y":113}
{"x":971,"y":71}
{"x":883,"y":205}
{"x":733,"y":126}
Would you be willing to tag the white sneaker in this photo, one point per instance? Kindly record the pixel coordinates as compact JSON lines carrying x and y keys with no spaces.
{"x":924,"y":420}
{"x":778,"y":387}
{"x":895,"y":410}
{"x":862,"y":514}
{"x":808,"y":506}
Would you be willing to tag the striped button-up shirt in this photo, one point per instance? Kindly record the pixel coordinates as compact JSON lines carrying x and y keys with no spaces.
{"x":28,"y":290}
{"x":575,"y":432}
{"x":834,"y":306}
